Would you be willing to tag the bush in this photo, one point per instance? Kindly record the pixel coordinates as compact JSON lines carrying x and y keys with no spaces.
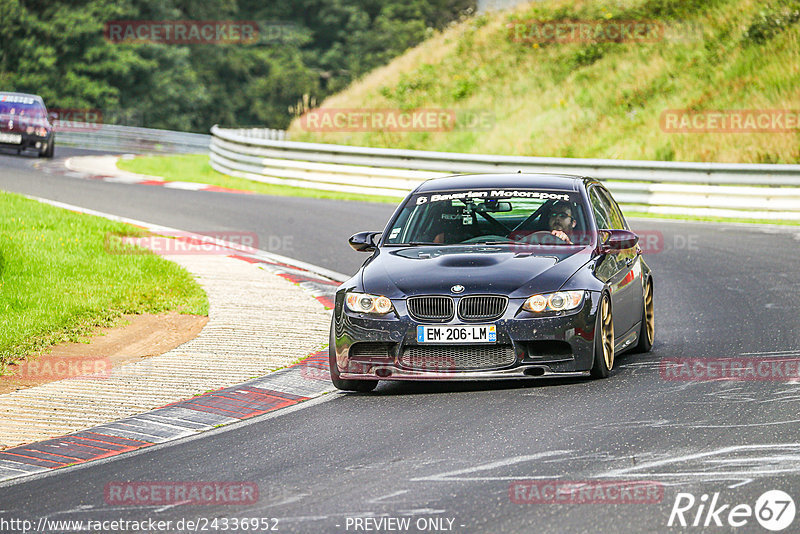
{"x":772,"y":21}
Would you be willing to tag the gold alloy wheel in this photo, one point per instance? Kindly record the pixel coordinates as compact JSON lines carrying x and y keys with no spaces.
{"x":649,"y":314}
{"x":607,"y":333}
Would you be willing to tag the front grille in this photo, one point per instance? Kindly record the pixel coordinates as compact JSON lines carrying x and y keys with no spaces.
{"x":431,"y":308}
{"x":370,"y":350}
{"x":445,"y":358}
{"x":482,"y":308}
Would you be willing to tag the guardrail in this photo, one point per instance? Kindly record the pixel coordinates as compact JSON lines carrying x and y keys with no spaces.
{"x":751,"y":191}
{"x":131,"y":139}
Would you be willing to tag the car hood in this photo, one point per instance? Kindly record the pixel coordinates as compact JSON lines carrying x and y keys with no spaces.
{"x":427,"y":270}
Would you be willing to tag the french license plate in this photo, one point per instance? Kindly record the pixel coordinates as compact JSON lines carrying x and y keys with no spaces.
{"x":457,"y":334}
{"x":14,"y":139}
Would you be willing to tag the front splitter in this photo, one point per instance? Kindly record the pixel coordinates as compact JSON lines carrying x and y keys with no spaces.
{"x":527,"y":371}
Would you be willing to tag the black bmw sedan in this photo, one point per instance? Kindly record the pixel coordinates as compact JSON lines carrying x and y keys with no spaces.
{"x":494,"y":276}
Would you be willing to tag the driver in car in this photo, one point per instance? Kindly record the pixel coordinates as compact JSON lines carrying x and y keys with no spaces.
{"x":560,"y":220}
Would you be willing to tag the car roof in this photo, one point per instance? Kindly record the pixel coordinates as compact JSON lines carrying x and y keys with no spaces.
{"x":12,"y":93}
{"x":559,"y":182}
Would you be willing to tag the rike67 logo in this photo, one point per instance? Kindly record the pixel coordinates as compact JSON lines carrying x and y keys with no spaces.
{"x":774,"y":510}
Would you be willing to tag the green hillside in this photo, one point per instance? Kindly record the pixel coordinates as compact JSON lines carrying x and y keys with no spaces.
{"x":595,"y":99}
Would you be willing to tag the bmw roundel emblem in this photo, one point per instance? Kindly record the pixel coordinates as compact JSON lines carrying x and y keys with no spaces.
{"x":458,"y":288}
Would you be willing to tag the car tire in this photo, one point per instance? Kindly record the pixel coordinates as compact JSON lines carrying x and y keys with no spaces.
{"x":361,"y":386}
{"x":603,"y":339}
{"x":47,"y":152}
{"x":647,"y":332}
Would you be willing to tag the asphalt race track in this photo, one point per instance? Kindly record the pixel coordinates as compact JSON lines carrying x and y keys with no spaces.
{"x":446,"y":455}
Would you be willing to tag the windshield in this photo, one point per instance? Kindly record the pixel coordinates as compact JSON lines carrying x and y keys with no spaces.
{"x":491,"y":217}
{"x":21,"y":106}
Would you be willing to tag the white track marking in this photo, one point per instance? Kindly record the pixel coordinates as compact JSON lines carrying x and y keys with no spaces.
{"x":291,"y":499}
{"x":771,"y":353}
{"x":167,"y":507}
{"x":790,"y":463}
{"x":389,"y":496}
{"x":451,"y":476}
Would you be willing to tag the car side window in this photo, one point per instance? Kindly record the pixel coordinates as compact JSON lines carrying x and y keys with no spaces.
{"x":600,"y":209}
{"x":615,"y":214}
{"x":400,"y":228}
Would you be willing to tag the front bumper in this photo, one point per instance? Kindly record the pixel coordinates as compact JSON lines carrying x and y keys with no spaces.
{"x":379,"y":348}
{"x":28,"y":141}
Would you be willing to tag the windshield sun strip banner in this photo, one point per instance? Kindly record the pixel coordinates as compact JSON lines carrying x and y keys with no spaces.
{"x":491,"y":194}
{"x":17,"y":99}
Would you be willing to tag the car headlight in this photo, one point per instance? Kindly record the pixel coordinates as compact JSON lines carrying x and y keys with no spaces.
{"x":365,"y":303}
{"x":560,"y":301}
{"x":41,"y":132}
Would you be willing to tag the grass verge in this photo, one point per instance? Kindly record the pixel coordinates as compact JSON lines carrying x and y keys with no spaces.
{"x":58,"y":283}
{"x":195,"y":168}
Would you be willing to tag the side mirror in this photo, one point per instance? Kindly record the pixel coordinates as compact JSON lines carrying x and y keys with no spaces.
{"x":363,"y":241}
{"x":52,"y":116}
{"x":616,"y":240}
